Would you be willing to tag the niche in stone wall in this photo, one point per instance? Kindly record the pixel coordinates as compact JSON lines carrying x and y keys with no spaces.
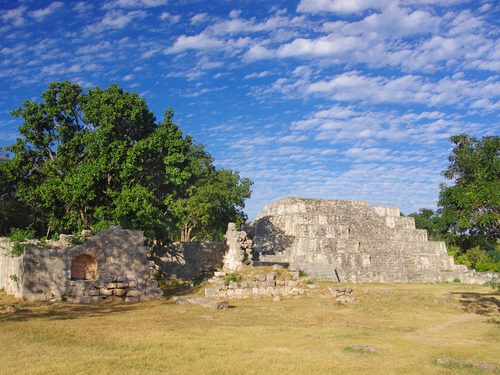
{"x":84,"y":267}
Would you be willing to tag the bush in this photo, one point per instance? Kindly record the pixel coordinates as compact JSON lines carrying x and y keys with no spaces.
{"x":18,"y":236}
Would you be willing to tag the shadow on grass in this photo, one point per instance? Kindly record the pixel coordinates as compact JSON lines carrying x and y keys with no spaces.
{"x":479,"y":303}
{"x":28,"y":310}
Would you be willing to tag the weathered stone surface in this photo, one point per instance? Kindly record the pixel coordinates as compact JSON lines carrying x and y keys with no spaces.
{"x":115,"y":258}
{"x":351,"y":241}
{"x":210,"y":292}
{"x":134,"y":293}
{"x":213,"y":303}
{"x":119,"y":292}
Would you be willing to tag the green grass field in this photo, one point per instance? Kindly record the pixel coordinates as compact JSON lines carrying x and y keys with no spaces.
{"x":411,"y":325}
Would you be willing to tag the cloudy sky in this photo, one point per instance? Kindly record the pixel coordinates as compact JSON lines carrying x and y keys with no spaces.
{"x":334,"y":99}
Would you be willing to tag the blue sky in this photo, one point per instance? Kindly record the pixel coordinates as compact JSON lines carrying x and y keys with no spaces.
{"x":333,"y":99}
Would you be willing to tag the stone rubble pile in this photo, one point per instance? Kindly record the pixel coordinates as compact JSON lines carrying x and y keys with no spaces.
{"x":268,"y":285}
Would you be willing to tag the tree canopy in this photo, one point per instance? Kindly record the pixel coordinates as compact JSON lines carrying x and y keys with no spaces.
{"x":468,"y":218}
{"x":472,"y":204}
{"x":90,"y":159}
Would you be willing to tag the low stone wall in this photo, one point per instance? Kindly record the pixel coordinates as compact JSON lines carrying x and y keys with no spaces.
{"x":269,"y":285}
{"x":185,"y":261}
{"x":11,"y":269}
{"x":119,"y":289}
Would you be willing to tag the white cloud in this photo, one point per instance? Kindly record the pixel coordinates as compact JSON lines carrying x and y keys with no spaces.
{"x":340,"y":6}
{"x":197,"y":42}
{"x":257,"y":52}
{"x":198,"y":18}
{"x":134,"y":4}
{"x":82,"y":7}
{"x":42,"y":13}
{"x":330,"y":45}
{"x":84,"y":50}
{"x":258,"y":75}
{"x":115,"y":19}
{"x":167,"y":16}
{"x":16,"y":15}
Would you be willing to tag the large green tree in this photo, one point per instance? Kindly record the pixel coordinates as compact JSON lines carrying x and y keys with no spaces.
{"x":471,"y":205}
{"x":86,"y":160}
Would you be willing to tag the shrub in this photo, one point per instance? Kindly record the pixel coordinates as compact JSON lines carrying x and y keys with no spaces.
{"x":18,"y":236}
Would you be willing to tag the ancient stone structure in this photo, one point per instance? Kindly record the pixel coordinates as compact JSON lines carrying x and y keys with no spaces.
{"x":112,"y":265}
{"x":184,"y":261}
{"x":351,"y":241}
{"x":238,"y":250}
{"x":281,"y":283}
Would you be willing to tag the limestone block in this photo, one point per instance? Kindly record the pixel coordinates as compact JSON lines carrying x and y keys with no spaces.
{"x":106,"y":292}
{"x":230,"y":292}
{"x":271,"y":291}
{"x":82,"y":299}
{"x":121,"y":285}
{"x":158,"y":292}
{"x":222,"y":294}
{"x":262,"y":290}
{"x":243,"y":284}
{"x":270,"y":276}
{"x":134,"y":293}
{"x":132,"y":284}
{"x":262,"y":284}
{"x":271,"y":283}
{"x":233,"y":285}
{"x":93,"y":292}
{"x":96,"y":299}
{"x":260,"y":278}
{"x":119,"y":292}
{"x":210,"y":292}
{"x":238,"y":292}
{"x":112,"y":286}
{"x":131,"y":299}
{"x":255,"y":291}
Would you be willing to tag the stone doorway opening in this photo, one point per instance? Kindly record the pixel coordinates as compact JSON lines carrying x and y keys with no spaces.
{"x":84,"y":267}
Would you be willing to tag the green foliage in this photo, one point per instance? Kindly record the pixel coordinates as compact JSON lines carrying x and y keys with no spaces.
{"x":468,"y":219}
{"x":432,"y":222}
{"x":471,"y":205}
{"x":302,"y":273}
{"x":88,"y":160}
{"x":495,"y":284}
{"x":457,"y":281}
{"x":13,"y":278}
{"x":18,"y":236}
{"x":233,"y":277}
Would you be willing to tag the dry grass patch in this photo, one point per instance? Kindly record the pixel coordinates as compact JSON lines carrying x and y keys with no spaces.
{"x":412,"y":325}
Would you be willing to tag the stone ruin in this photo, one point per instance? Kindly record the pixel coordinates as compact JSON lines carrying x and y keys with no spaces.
{"x":278,"y":283}
{"x":352,"y":241}
{"x":336,"y":240}
{"x":112,"y":266}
